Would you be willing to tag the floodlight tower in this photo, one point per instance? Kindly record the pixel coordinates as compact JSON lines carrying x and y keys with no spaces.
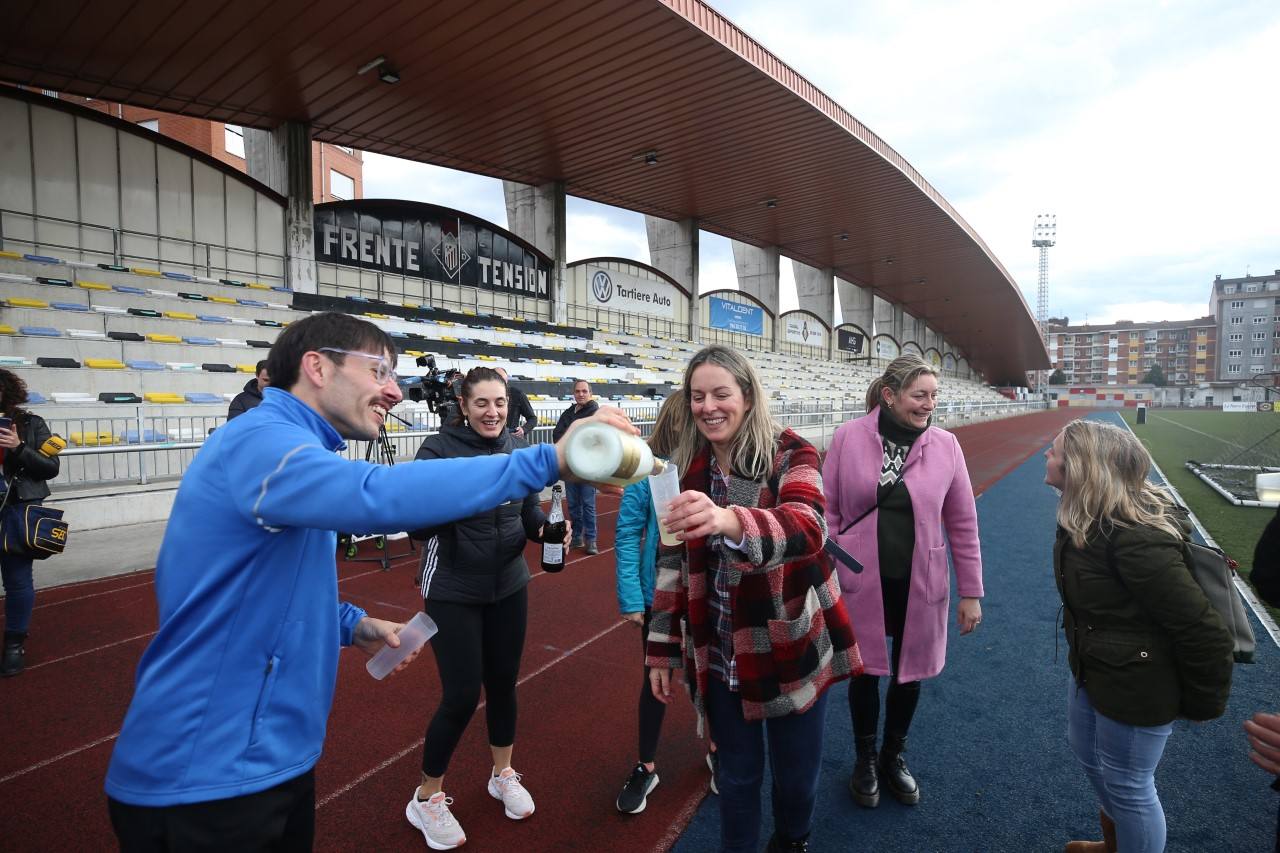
{"x":1043,"y":236}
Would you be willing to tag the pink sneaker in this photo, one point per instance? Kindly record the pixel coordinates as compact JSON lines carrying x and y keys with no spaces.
{"x":515,"y":799}
{"x":436,"y":821}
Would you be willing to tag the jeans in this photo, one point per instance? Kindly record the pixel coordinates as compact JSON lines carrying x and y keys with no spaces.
{"x":19,"y":593}
{"x":582,"y":509}
{"x":1120,"y":761}
{"x":795,"y":759}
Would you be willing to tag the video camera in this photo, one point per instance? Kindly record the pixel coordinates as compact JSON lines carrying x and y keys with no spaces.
{"x":439,"y":389}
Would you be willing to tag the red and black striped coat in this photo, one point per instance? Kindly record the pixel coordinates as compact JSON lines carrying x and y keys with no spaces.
{"x":791,"y":634}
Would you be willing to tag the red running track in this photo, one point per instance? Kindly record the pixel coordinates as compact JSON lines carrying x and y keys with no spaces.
{"x":576,"y":739}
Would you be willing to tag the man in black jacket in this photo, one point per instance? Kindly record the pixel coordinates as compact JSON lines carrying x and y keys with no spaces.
{"x":251,"y":396}
{"x":518,"y":407}
{"x":582,"y":498}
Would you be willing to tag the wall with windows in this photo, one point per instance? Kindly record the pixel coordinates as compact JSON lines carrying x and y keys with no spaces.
{"x":1248,"y":320}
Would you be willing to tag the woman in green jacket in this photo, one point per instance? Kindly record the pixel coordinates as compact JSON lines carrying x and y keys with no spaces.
{"x":1146,"y":647}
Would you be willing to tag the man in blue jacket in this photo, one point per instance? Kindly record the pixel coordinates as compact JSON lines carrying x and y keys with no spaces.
{"x":232,"y":695}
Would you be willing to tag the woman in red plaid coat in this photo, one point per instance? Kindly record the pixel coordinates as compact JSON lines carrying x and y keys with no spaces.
{"x":750,"y":602}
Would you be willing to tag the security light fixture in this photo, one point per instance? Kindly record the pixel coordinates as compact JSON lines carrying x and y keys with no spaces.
{"x":389,"y":75}
{"x":370,"y":65}
{"x":651,"y":158}
{"x":844,"y":235}
{"x":771,"y":203}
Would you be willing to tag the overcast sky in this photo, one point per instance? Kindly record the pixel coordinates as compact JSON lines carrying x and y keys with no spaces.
{"x":1150,"y":129}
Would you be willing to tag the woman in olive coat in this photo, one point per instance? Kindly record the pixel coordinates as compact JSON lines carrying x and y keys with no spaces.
{"x":1146,"y":647}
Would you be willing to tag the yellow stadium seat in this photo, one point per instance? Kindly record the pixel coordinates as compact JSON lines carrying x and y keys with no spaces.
{"x":23,"y":302}
{"x":257,"y":285}
{"x":413,"y":305}
{"x":157,"y":338}
{"x":163,"y":397}
{"x":468,"y":312}
{"x":376,"y":316}
{"x":247,"y":368}
{"x":179,"y":315}
{"x":449,"y":339}
{"x":225,"y":300}
{"x":8,"y":330}
{"x":92,"y":285}
{"x":104,"y":364}
{"x":92,"y":439}
{"x":11,"y":255}
{"x":145,"y":271}
{"x":414,"y":352}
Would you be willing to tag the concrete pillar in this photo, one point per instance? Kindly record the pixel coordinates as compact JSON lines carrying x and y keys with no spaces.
{"x":281,"y":159}
{"x":673,"y":248}
{"x":816,"y":293}
{"x":537,"y":214}
{"x":857,"y":306}
{"x":757,"y":270}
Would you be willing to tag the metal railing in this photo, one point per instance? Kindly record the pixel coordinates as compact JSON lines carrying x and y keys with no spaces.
{"x":142,"y":448}
{"x":119,"y":257}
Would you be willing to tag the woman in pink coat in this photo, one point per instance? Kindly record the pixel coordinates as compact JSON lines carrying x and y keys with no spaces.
{"x":893,"y":483}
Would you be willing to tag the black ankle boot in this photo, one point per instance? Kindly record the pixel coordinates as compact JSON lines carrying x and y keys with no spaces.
{"x":863,"y":785}
{"x":14,"y":660}
{"x":894,"y":773}
{"x":776,"y":845}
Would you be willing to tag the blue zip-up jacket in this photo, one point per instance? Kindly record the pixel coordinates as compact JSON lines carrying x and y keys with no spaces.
{"x":635,"y":548}
{"x":233,"y":693}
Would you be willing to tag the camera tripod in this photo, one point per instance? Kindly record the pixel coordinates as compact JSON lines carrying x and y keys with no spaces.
{"x":381,"y":452}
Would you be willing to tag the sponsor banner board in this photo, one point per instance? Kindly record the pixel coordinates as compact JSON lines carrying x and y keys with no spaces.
{"x":620,"y":291}
{"x":1240,"y":407}
{"x":803,"y":329}
{"x":886,"y":348}
{"x":736,"y":317}
{"x":850,"y":341}
{"x":429,"y":242}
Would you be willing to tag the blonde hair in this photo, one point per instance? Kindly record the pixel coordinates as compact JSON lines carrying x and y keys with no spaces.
{"x":901,"y":372}
{"x":667,"y":426}
{"x":1105,"y":483}
{"x":753,"y":446}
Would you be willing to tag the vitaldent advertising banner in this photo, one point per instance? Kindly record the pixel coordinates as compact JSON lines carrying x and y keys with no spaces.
{"x":802,"y":329}
{"x":887,"y":347}
{"x":850,"y":341}
{"x":620,"y":291}
{"x":426,"y":241}
{"x":736,"y":317}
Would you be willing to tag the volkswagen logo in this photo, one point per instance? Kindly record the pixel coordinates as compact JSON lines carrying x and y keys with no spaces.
{"x":602,"y":286}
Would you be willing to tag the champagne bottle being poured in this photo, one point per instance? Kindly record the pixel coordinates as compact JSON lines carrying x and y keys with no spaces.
{"x":599,"y":453}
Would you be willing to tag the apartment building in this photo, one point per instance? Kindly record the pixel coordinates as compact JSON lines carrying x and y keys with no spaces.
{"x":1247,"y":314}
{"x":1122,"y":353}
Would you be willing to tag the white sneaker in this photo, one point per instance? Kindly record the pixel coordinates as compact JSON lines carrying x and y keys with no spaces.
{"x":436,"y":821}
{"x":506,"y":787}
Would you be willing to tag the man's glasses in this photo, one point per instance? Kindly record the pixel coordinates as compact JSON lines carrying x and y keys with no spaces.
{"x":382,"y":372}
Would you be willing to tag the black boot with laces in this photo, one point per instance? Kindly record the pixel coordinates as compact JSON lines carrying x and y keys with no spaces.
{"x":894,"y":773}
{"x":864,"y":784}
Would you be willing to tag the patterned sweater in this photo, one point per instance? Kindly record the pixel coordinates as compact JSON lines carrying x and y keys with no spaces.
{"x":791,"y":635}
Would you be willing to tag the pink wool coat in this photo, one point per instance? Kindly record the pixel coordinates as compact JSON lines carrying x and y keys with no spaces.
{"x":941,"y":497}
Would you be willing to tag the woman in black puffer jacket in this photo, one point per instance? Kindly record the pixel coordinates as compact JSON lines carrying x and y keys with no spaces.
{"x":473,"y":578}
{"x":26,"y":470}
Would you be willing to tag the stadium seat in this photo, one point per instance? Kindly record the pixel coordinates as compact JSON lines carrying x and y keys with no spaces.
{"x":8,"y":330}
{"x":148,"y":436}
{"x":92,"y":439}
{"x":163,"y":397}
{"x":57,"y":361}
{"x":283,"y":289}
{"x":144,"y":364}
{"x":42,"y":259}
{"x":157,"y":338}
{"x":178,"y":276}
{"x":163,"y":294}
{"x":199,"y":341}
{"x":40,"y":331}
{"x":69,"y":306}
{"x":92,"y":285}
{"x":217,"y":367}
{"x":56,"y":282}
{"x":179,"y":315}
{"x":145,"y":271}
{"x":61,"y":397}
{"x":23,"y":302}
{"x":113,"y":267}
{"x":144,"y":312}
{"x":104,"y":364}
{"x":252,"y":303}
{"x":124,"y":288}
{"x":257,"y":285}
{"x":203,"y":397}
{"x":110,"y":309}
{"x":13,"y":256}
{"x":14,"y":361}
{"x":198,"y":297}
{"x":246,"y":368}
{"x":211,"y":318}
{"x":231,"y":282}
{"x":242,"y":321}
{"x":231,"y":342}
{"x":35,"y":398}
{"x":125,"y":336}
{"x":180,"y":365}
{"x":119,"y":397}
{"x":259,"y":344}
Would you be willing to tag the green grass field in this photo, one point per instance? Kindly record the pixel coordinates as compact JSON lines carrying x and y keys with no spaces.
{"x":1174,"y":435}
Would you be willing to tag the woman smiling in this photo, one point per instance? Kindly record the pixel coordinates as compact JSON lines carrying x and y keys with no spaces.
{"x":749,"y":601}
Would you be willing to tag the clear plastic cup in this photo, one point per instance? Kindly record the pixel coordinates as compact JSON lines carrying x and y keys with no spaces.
{"x":664,"y":488}
{"x":413,"y":636}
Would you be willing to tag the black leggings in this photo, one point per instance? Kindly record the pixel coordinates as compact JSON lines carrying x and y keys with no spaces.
{"x":477,"y":645}
{"x":651,"y":710}
{"x":864,"y":690}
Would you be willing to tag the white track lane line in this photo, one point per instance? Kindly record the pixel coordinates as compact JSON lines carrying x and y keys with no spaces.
{"x":24,"y":771}
{"x":417,"y":744}
{"x":94,"y":595}
{"x":90,"y":651}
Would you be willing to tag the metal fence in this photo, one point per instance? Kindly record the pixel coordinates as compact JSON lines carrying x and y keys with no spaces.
{"x":143,"y":448}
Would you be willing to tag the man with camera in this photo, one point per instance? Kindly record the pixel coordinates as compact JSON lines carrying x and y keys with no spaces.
{"x":218,"y":747}
{"x":581,"y":496}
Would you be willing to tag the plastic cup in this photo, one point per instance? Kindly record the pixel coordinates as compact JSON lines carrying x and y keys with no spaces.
{"x":664,"y":488}
{"x":413,"y":636}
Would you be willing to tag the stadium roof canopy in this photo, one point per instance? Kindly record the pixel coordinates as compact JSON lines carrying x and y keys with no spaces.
{"x":579,"y":91}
